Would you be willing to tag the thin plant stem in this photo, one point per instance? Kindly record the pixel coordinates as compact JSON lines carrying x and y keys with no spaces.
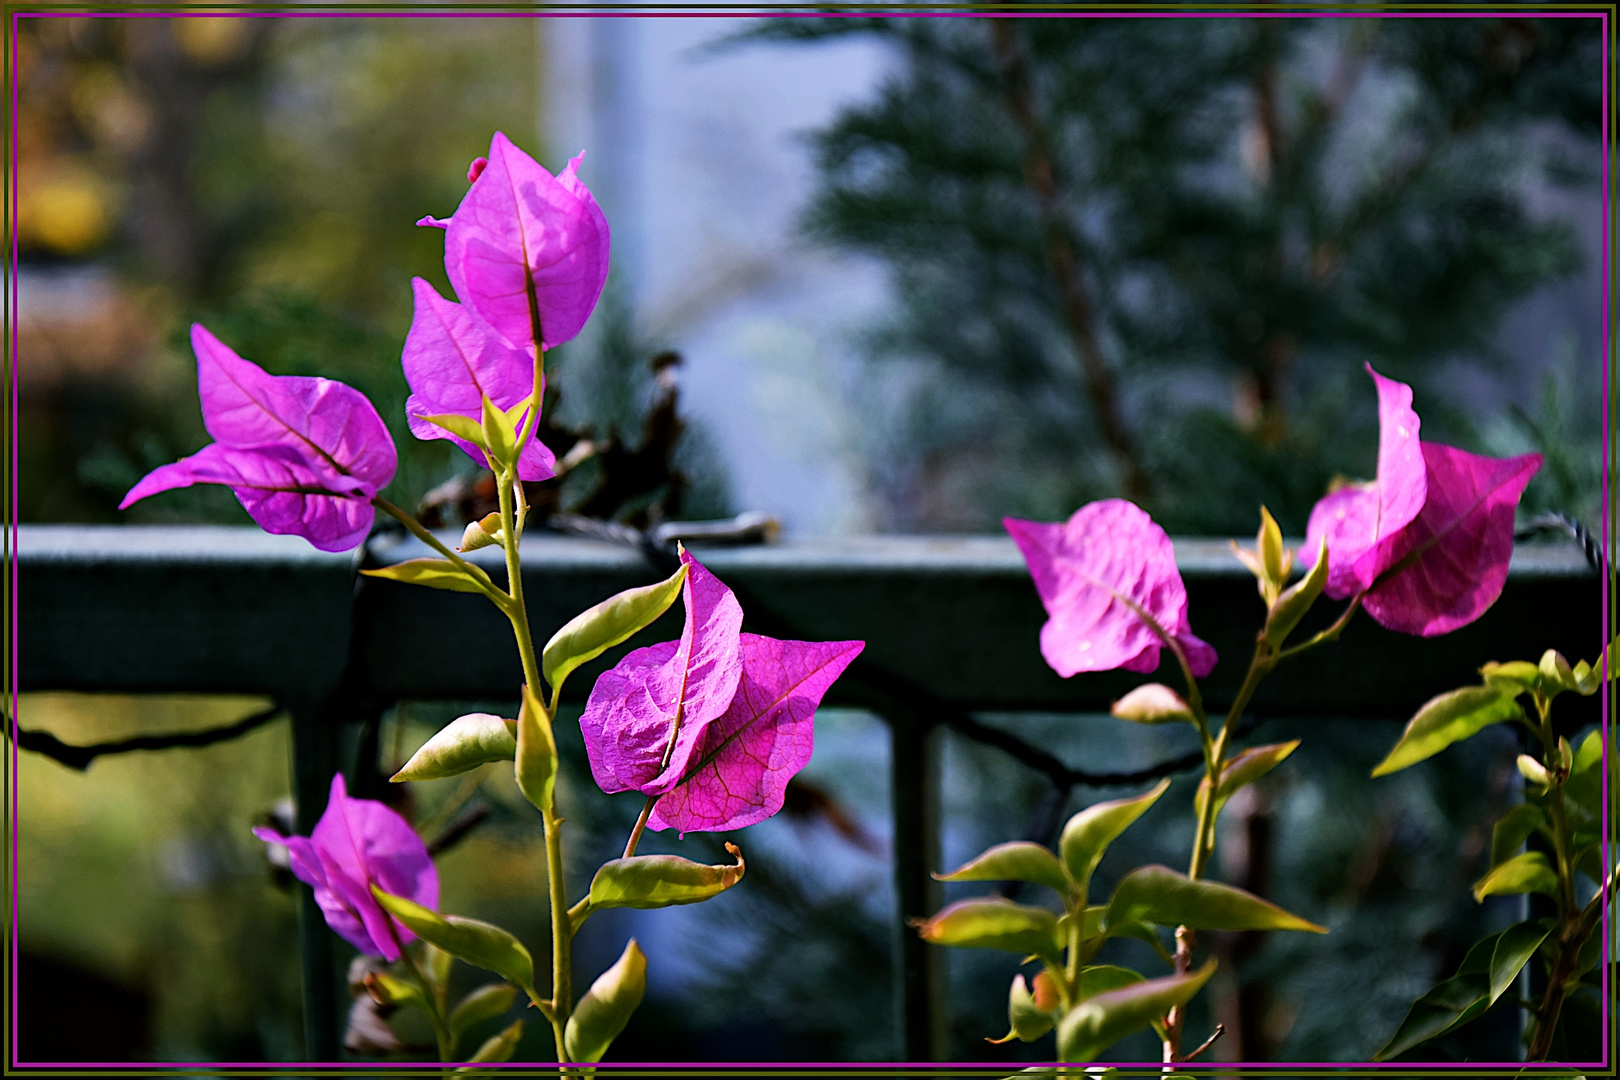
{"x":441,"y":1029}
{"x":641,"y":824}
{"x":417,"y":530}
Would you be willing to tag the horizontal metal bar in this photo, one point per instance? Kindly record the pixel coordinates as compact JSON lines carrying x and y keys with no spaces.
{"x":227,"y":609}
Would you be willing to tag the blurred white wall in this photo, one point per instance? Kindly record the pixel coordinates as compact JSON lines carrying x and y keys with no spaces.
{"x":698,"y":160}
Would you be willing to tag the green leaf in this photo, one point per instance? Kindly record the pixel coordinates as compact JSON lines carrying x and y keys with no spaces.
{"x":1556,"y":674}
{"x":464,"y":426}
{"x":500,"y":437}
{"x":1088,"y":833}
{"x":536,"y":753}
{"x":606,"y":1007}
{"x":1096,"y":1024}
{"x":655,"y":881}
{"x":1275,"y":560}
{"x":461,"y":745}
{"x":1514,"y":677}
{"x":497,"y":1048}
{"x":1153,"y":703}
{"x":388,"y":990}
{"x":485,"y":1003}
{"x":1296,"y":600}
{"x":1250,"y":766}
{"x":1101,"y":978}
{"x":592,"y":632}
{"x":1514,"y":948}
{"x":1161,"y":895}
{"x":1447,"y":719}
{"x":484,"y":532}
{"x":1450,"y":1004}
{"x":1017,"y":861}
{"x":1589,"y":753}
{"x":1524,"y":873}
{"x":993,"y":923}
{"x":478,"y":943}
{"x":436,"y":963}
{"x":1026,"y":1019}
{"x":434,"y":573}
{"x":1509,"y":834}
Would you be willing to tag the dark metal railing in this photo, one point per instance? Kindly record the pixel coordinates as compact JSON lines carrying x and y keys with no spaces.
{"x":950,"y":623}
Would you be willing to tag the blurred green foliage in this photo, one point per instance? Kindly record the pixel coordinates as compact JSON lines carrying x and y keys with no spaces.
{"x":1148,"y":257}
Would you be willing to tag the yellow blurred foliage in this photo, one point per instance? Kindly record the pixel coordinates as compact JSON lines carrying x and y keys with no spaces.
{"x":64,"y":207}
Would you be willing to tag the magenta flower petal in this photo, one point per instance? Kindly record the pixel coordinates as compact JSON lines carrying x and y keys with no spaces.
{"x":657,"y":701}
{"x":526,"y":245}
{"x":304,"y":456}
{"x":279,"y":489}
{"x":453,"y":360}
{"x":356,"y":844}
{"x":1444,"y":569}
{"x":243,"y":405}
{"x":1089,"y":571}
{"x":746,"y":758}
{"x":1355,"y":520}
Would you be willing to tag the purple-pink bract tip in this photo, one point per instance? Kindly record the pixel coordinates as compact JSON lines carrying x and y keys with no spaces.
{"x":304,"y":455}
{"x":356,"y":844}
{"x":1089,"y":572}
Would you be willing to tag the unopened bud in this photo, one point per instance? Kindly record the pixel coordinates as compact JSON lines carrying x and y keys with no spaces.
{"x":481,"y":533}
{"x":476,"y":169}
{"x":1533,"y":770}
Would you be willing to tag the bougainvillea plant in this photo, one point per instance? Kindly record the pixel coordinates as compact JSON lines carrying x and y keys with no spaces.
{"x":1423,"y":548}
{"x":708,"y":728}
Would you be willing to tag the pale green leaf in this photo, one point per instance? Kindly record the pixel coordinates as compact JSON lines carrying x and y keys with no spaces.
{"x":1087,"y":835}
{"x":476,"y":942}
{"x":1158,"y":894}
{"x":1525,"y":873}
{"x":594,"y":631}
{"x":1016,"y":861}
{"x":1446,"y":719}
{"x":1098,"y":1023}
{"x":433,"y":573}
{"x":462,"y":745}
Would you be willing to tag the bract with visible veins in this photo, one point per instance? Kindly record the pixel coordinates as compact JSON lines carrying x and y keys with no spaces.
{"x":356,"y":844}
{"x":1445,"y":568}
{"x":304,"y":455}
{"x":1357,"y":518}
{"x":646,"y":716}
{"x":452,"y":361}
{"x":741,"y":768}
{"x":525,"y":246}
{"x":1089,"y":572}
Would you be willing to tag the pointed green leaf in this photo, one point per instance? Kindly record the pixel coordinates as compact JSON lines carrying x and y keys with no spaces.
{"x":1525,"y":873}
{"x":1447,"y":719}
{"x":1514,"y":677}
{"x":1153,"y":703}
{"x":1161,"y":895}
{"x":500,"y":437}
{"x":1101,"y":978}
{"x":1514,"y":948}
{"x":433,"y":573}
{"x":478,"y":943}
{"x":1088,"y":833}
{"x":993,"y":923}
{"x":1017,"y":861}
{"x":1509,"y":834}
{"x":1450,"y":1004}
{"x":1250,"y":766}
{"x":1274,"y":558}
{"x":485,"y":1003}
{"x":466,"y":427}
{"x":606,"y":1007}
{"x":1556,"y":674}
{"x":462,"y":745}
{"x":1296,"y":600}
{"x":614,"y":620}
{"x":496,"y":1048}
{"x":655,"y":881}
{"x":436,"y":963}
{"x":1588,"y":754}
{"x":1026,"y":1019}
{"x":535,"y":761}
{"x":1094,"y":1025}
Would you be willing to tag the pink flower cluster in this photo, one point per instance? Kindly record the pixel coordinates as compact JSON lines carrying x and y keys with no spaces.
{"x":1426,"y":544}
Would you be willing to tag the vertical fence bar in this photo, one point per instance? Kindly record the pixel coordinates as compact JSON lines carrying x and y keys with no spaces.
{"x":919,"y":998}
{"x":314,"y":754}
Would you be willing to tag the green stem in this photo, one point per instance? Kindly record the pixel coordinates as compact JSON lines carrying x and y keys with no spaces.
{"x":1330,"y":634}
{"x":562,"y":998}
{"x":441,"y":1029}
{"x":417,"y":530}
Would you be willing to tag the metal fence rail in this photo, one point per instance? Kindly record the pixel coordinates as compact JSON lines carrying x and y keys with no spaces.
{"x":950,"y":623}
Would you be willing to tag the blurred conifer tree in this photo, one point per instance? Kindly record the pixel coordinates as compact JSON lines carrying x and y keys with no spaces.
{"x":1148,"y":256}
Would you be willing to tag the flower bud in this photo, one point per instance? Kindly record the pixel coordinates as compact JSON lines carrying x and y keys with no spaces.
{"x":1533,"y":770}
{"x":476,"y":169}
{"x":481,"y":533}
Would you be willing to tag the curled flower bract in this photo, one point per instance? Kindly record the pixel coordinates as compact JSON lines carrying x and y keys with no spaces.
{"x":527,"y":250}
{"x":1437,"y":567}
{"x":713,"y":725}
{"x":1096,"y":574}
{"x":356,"y":844}
{"x":304,"y":455}
{"x":452,"y":361}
